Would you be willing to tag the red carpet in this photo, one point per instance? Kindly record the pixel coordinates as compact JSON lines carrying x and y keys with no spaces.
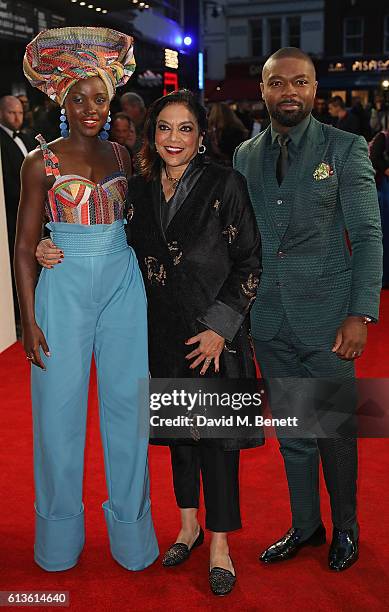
{"x":98,"y":583}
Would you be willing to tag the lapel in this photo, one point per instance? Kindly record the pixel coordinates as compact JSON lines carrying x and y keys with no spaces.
{"x":253,"y":170}
{"x":183,"y":222}
{"x":184,"y":192}
{"x":254,"y":167}
{"x":156,"y":204}
{"x":186,"y":224}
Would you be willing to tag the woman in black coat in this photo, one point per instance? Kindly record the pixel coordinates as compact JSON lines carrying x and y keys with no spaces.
{"x":194,"y":232}
{"x":193,"y":229}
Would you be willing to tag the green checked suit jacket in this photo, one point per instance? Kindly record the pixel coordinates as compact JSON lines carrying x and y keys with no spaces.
{"x":308,"y":272}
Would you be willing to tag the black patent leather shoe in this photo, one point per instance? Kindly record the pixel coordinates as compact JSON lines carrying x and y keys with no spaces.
{"x":180,"y":552}
{"x":344,"y":550}
{"x":221,"y":581}
{"x":288,"y":546}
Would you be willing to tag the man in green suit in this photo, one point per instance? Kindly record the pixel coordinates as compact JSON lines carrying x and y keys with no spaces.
{"x":310,"y":183}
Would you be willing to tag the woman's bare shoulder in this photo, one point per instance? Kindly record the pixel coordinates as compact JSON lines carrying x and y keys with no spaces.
{"x":57,"y":145}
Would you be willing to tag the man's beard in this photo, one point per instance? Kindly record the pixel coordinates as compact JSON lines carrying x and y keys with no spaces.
{"x":289,"y":118}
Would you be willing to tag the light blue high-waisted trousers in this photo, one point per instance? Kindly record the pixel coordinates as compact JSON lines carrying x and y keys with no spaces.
{"x":92,"y":303}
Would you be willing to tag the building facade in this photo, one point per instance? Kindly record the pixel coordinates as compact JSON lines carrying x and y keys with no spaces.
{"x":356,"y":49}
{"x":239,"y":35}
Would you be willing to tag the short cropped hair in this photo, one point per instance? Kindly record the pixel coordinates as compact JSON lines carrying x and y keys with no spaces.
{"x":133,"y":98}
{"x":293,"y":52}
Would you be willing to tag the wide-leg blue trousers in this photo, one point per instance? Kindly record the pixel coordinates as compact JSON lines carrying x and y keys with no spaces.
{"x":92,"y":303}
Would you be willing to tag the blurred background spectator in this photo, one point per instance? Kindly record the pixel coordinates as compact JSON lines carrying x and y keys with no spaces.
{"x":226,"y":132}
{"x":14,"y":147}
{"x":27,"y":112}
{"x":344,"y":119}
{"x":244,"y":113}
{"x":134,"y":107}
{"x":379,"y":155}
{"x":320,"y":111}
{"x":363,"y":115}
{"x":123,"y":131}
{"x":260,"y":119}
{"x":378,"y":115}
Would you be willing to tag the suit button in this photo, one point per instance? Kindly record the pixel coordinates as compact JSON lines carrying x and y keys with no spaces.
{"x":278,"y":284}
{"x":279,"y":201}
{"x":281,"y":254}
{"x":279,"y":224}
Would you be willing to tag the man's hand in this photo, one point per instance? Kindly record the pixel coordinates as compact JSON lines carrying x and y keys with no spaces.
{"x":350,"y":338}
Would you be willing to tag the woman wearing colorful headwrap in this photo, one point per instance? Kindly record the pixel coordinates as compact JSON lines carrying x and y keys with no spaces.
{"x":93,"y":303}
{"x":194,"y":232}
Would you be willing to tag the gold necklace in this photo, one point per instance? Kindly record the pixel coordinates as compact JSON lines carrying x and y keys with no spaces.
{"x":173,"y":181}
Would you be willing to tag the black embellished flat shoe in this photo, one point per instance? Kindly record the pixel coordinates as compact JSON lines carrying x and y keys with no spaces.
{"x":221,"y":581}
{"x":344,"y":550}
{"x":180,"y":552}
{"x":290,"y":544}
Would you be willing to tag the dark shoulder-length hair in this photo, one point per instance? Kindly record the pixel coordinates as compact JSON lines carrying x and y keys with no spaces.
{"x":149,"y":159}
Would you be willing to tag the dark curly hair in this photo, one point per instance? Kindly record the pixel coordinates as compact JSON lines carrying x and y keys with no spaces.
{"x":148,"y":158}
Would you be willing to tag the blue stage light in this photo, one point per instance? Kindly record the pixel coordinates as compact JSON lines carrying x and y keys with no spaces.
{"x":201,"y":70}
{"x":187,"y":41}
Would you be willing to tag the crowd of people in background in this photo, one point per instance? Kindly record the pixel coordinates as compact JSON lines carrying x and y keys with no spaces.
{"x":229,"y":125}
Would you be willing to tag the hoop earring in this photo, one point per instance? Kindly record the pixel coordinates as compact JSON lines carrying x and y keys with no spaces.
{"x":63,"y":126}
{"x":203,"y":149}
{"x":104,"y":134}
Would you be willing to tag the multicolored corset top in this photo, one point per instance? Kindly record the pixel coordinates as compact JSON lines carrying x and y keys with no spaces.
{"x":76,"y":199}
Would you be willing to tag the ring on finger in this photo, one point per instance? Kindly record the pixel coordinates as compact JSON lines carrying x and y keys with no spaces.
{"x":29,"y":357}
{"x":208,"y":360}
{"x":355,"y":354}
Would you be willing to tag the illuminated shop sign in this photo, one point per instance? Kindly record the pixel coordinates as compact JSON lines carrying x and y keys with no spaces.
{"x":171,"y":59}
{"x":170,"y":82}
{"x":370,"y":65}
{"x":336,"y":67}
{"x":359,"y":65}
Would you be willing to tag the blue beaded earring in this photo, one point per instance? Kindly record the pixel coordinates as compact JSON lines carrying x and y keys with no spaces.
{"x":63,"y":126}
{"x":104,"y":134}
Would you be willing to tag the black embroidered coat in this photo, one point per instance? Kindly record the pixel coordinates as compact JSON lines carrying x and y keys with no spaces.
{"x":202,"y":272}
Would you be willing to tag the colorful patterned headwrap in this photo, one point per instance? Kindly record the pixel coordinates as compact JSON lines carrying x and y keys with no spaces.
{"x":56,"y":59}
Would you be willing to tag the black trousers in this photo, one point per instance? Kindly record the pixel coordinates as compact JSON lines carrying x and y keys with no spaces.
{"x":220,"y":475}
{"x":286,"y":357}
